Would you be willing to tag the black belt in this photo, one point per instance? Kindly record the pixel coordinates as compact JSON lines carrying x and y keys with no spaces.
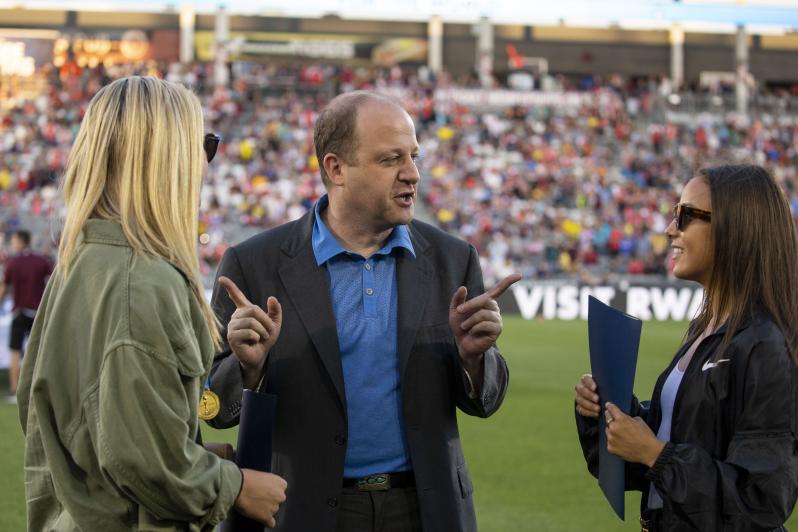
{"x":382,"y":481}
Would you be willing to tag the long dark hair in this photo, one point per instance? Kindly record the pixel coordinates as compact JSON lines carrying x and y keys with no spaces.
{"x":755,"y":254}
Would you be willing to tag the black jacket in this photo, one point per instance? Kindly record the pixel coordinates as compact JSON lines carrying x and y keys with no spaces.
{"x":732,"y":462}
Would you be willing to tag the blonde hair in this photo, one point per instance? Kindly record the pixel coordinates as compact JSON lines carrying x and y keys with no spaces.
{"x":138,"y":160}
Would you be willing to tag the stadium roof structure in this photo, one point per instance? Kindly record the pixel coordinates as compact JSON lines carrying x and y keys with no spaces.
{"x":763,"y":16}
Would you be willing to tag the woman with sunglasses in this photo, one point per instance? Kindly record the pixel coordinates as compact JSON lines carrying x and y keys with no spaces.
{"x":110,"y":390}
{"x":716,"y":448}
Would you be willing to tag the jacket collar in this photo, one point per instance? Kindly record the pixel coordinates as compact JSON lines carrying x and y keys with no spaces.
{"x":110,"y":232}
{"x":104,"y":232}
{"x":756,"y":314}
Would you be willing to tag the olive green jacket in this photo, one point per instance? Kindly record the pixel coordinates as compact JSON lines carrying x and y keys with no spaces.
{"x":108,"y":398}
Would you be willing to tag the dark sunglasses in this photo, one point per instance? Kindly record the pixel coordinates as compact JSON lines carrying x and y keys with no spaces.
{"x":684,"y":214}
{"x":211,"y":144}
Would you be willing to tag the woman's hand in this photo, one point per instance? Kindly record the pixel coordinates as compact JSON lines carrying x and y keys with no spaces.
{"x":630,"y":438}
{"x":587,"y":399}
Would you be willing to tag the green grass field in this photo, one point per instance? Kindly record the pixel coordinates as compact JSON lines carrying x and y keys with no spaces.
{"x":526,"y":464}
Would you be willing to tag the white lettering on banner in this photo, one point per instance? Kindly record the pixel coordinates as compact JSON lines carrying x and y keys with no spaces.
{"x":638,"y":301}
{"x":528,"y":299}
{"x":605,"y":294}
{"x":570,"y":302}
{"x":550,"y":303}
{"x":670,"y":303}
{"x":695,"y":306}
{"x":564,"y":302}
{"x":667,"y":303}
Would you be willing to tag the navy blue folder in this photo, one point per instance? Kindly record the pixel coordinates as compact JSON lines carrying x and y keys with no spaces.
{"x":254,"y":449}
{"x":614,"y":340}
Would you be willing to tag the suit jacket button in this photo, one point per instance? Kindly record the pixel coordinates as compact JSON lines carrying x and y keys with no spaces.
{"x":339,"y":440}
{"x":332,"y":502}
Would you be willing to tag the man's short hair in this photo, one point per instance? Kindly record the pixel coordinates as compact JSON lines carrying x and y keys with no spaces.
{"x":336,"y":128}
{"x":24,"y":236}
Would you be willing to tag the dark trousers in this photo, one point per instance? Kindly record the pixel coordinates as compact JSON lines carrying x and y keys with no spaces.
{"x":21,"y":326}
{"x":393,"y":510}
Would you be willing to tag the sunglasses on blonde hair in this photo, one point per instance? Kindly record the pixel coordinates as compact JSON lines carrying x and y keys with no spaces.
{"x":684,"y":214}
{"x":210,"y":145}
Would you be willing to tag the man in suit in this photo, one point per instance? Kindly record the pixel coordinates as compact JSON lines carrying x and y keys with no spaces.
{"x":368,"y":339}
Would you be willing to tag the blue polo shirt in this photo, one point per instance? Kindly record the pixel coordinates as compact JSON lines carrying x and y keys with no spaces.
{"x":364,"y":300}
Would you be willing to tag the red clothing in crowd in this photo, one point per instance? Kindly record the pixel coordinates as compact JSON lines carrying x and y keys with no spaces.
{"x":27,"y":274}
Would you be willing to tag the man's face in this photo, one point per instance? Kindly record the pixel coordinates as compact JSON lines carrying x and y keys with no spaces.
{"x":379,"y":187}
{"x":17,"y":245}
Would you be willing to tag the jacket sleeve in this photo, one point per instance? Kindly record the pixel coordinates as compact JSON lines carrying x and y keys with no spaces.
{"x":587,"y":430}
{"x":758,"y":478}
{"x":495,"y":376}
{"x":144,"y":442}
{"x":226,"y":378}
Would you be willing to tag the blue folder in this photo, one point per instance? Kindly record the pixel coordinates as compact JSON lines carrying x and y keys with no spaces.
{"x":254,"y":450}
{"x":614,"y":340}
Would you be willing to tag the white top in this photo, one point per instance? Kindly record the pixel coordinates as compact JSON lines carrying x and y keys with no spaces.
{"x":667,"y":399}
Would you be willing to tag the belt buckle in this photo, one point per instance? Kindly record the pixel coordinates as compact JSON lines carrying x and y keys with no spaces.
{"x":379,"y":482}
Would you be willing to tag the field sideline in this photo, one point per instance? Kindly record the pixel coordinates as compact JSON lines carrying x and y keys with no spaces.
{"x":526,"y":464}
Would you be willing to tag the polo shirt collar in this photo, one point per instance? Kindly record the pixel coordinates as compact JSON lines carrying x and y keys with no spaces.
{"x":326,"y":247}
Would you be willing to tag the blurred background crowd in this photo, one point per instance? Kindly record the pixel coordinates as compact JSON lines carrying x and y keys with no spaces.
{"x":582,"y":190}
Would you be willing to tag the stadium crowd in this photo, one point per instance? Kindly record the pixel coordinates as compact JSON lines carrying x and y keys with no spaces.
{"x":550,"y":191}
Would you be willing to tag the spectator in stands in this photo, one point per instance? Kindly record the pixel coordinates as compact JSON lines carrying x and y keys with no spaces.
{"x":724,"y":456}
{"x":604,"y":168}
{"x":110,"y":391}
{"x":26,"y":273}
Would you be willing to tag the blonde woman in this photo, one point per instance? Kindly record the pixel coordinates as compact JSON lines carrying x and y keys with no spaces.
{"x":124,"y":338}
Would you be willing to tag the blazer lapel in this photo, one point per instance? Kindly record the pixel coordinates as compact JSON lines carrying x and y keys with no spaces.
{"x":308,"y":288}
{"x":413,"y":286}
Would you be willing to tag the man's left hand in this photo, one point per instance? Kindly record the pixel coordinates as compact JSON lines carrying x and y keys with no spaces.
{"x":476,"y":324}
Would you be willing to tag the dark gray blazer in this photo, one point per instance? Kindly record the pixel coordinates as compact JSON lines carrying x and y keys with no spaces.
{"x":304,"y":371}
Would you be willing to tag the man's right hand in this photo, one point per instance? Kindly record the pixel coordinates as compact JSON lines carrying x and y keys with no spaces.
{"x":261,"y":496}
{"x":252,"y":332}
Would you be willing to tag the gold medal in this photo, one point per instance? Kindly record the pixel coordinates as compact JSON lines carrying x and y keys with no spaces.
{"x":209,"y":405}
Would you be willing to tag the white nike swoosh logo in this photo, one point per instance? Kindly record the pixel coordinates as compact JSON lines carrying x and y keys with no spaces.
{"x":709,"y":365}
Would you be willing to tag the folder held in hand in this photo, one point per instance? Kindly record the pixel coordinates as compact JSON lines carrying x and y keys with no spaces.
{"x":254,"y":450}
{"x":614,"y":340}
